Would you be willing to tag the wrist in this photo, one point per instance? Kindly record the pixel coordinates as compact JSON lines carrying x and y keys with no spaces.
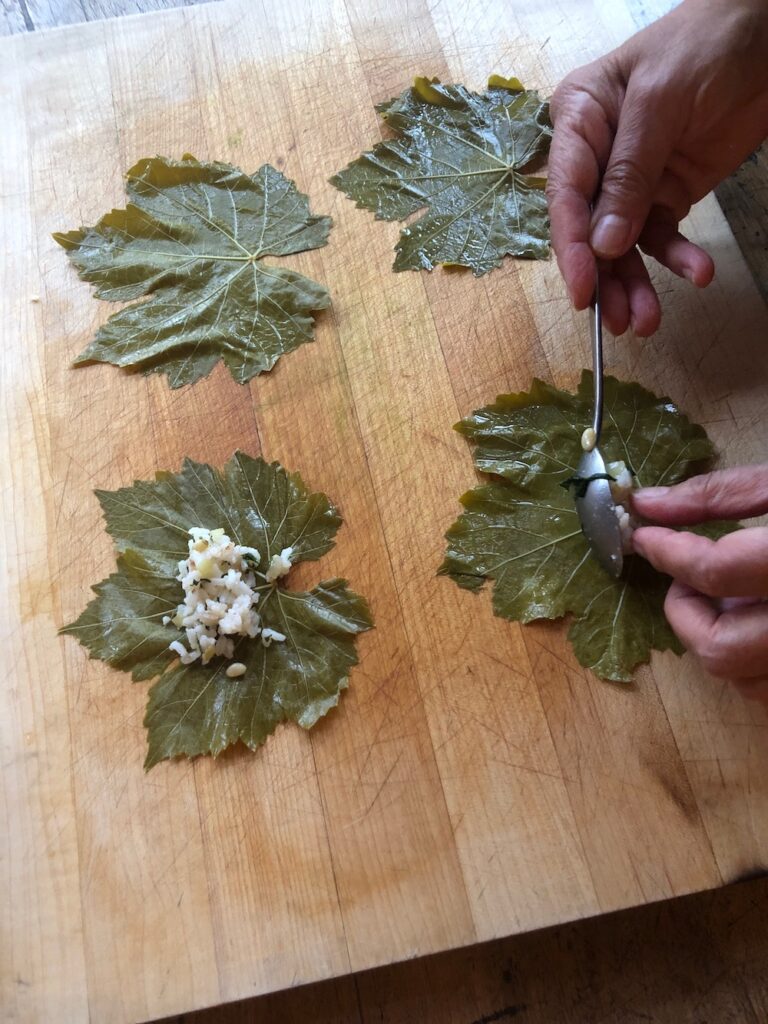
{"x":742,"y":28}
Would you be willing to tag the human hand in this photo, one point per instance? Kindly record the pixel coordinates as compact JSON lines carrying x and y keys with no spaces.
{"x":718,"y":602}
{"x":653,"y":126}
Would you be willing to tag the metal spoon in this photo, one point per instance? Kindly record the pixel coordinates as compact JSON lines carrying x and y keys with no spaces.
{"x":597,"y":509}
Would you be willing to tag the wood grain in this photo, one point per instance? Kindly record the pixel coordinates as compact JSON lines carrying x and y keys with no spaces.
{"x":743,"y":197}
{"x":34,"y":15}
{"x":475,"y":782}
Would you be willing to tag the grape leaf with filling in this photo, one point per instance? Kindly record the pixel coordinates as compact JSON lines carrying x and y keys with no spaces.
{"x":521,"y":529}
{"x":192,"y":241}
{"x":465,"y":156}
{"x":195,"y":709}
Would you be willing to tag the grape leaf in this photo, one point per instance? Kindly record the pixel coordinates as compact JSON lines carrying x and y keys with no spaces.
{"x":464,"y":156}
{"x":521,"y":530}
{"x":195,"y":709}
{"x":191,"y":240}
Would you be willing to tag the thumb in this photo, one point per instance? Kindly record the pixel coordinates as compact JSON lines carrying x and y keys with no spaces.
{"x":638,"y":157}
{"x":725,"y":494}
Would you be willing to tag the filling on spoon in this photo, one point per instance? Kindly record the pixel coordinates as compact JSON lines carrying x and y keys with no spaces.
{"x":622,"y":482}
{"x":588,"y":439}
{"x":622,"y":485}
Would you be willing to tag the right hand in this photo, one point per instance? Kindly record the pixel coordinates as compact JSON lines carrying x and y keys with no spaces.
{"x":647,"y":131}
{"x":718,"y":602}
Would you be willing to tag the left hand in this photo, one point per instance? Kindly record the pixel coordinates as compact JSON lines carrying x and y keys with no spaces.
{"x":646,"y":131}
{"x":718,"y":602}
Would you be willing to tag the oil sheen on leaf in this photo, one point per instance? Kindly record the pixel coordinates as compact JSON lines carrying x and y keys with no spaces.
{"x":465,"y":156}
{"x":521,"y":529}
{"x":196,"y":709}
{"x":192,"y":242}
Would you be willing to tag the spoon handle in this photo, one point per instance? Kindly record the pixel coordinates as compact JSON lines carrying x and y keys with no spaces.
{"x":596,"y":322}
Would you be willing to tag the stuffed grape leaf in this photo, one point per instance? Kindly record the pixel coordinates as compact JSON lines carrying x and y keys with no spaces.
{"x":465,"y":156}
{"x":521,"y":529}
{"x":195,"y":709}
{"x":192,"y":241}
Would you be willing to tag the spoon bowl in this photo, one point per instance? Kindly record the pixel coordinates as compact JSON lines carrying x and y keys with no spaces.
{"x":596,"y":510}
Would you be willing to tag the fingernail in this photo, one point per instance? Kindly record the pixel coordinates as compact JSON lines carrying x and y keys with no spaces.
{"x":689,"y":275}
{"x":610,"y":236}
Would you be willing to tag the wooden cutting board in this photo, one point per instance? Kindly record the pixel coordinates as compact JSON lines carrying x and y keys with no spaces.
{"x":475,"y":781}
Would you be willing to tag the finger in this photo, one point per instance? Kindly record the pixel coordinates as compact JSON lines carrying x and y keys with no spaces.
{"x":727,"y":604}
{"x":580,"y":128}
{"x":661,"y":239}
{"x":614,"y":303}
{"x":733,"y":645}
{"x":672,"y":196}
{"x":733,"y":566}
{"x":753,"y":689}
{"x":690,"y":614}
{"x":569,"y":231}
{"x":724,"y":494}
{"x":643,"y":302}
{"x":640,"y":151}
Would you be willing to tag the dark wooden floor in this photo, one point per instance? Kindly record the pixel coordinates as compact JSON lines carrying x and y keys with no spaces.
{"x":697,"y":960}
{"x":744,"y":199}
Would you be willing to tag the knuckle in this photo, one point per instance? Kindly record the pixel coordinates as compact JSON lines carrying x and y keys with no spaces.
{"x":563,"y":97}
{"x":648,"y":93}
{"x":709,"y":577}
{"x":748,"y":487}
{"x":715,"y":657}
{"x":753,"y":689}
{"x":626,"y":177}
{"x":573,"y":101}
{"x":559,"y":192}
{"x":718,"y":653}
{"x":731,"y":493}
{"x":714,"y":487}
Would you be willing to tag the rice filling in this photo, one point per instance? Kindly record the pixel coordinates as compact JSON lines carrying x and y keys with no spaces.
{"x":622,"y":485}
{"x":222,"y":586}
